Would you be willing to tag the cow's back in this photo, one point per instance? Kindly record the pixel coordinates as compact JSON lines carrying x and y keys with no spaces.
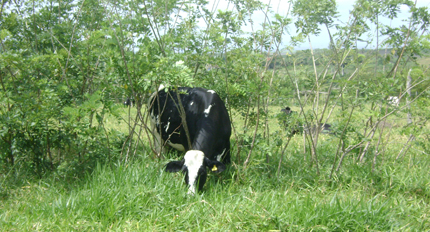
{"x":207,"y":120}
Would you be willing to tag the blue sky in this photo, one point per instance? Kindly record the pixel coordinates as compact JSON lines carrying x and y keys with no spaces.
{"x":322,"y":41}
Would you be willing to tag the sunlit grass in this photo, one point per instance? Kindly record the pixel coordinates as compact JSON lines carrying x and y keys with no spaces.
{"x":424,"y":61}
{"x":139,"y":196}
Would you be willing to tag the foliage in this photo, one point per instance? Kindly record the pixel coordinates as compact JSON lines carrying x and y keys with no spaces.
{"x":67,"y":66}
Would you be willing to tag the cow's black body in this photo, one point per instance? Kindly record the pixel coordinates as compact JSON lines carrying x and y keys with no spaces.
{"x":129,"y":102}
{"x":209,"y":133}
{"x":295,"y":128}
{"x":207,"y":120}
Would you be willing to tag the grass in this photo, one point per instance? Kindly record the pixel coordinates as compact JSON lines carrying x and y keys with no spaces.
{"x":140,"y":196}
{"x":424,"y":61}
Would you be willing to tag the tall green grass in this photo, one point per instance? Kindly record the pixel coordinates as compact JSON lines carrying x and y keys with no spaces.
{"x":140,"y":196}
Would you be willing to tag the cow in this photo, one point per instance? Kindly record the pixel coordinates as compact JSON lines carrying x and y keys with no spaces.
{"x":289,"y":122}
{"x":323,"y":128}
{"x":129,"y":102}
{"x":287,"y":110}
{"x":209,"y":130}
{"x":393,"y":100}
{"x":295,"y":127}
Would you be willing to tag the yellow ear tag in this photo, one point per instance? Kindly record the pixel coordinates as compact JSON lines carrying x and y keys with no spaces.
{"x":214,"y":168}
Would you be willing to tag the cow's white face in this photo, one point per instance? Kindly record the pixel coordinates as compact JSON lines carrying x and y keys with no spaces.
{"x":194,"y":167}
{"x":194,"y":162}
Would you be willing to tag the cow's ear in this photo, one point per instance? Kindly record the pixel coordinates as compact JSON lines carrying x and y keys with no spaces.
{"x":215,"y":166}
{"x":174,"y":166}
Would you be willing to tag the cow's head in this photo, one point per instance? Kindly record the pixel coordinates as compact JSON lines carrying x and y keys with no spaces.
{"x":194,"y":167}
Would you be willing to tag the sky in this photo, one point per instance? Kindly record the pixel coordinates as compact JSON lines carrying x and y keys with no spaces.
{"x":343,"y":6}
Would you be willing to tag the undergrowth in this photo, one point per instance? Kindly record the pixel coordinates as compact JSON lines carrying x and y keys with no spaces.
{"x":140,"y":196}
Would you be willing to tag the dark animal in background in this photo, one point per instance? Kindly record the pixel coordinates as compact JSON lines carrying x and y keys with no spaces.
{"x":324,"y":128}
{"x":289,"y":121}
{"x":343,"y":67}
{"x":294,"y":126}
{"x":129,"y":102}
{"x":287,"y":110}
{"x":209,"y":130}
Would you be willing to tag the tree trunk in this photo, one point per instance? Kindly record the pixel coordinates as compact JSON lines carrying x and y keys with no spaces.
{"x":408,"y":98}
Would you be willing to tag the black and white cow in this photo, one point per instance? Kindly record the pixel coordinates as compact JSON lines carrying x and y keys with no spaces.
{"x":295,"y":127}
{"x":209,"y":131}
{"x":393,"y":100}
{"x":287,"y":110}
{"x":129,"y":102}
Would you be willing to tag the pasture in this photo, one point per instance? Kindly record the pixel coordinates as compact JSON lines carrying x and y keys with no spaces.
{"x":139,"y":196}
{"x":74,"y":158}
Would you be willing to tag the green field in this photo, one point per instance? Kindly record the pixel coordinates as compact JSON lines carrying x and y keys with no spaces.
{"x":139,"y":196}
{"x":424,"y":61}
{"x":74,"y":158}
